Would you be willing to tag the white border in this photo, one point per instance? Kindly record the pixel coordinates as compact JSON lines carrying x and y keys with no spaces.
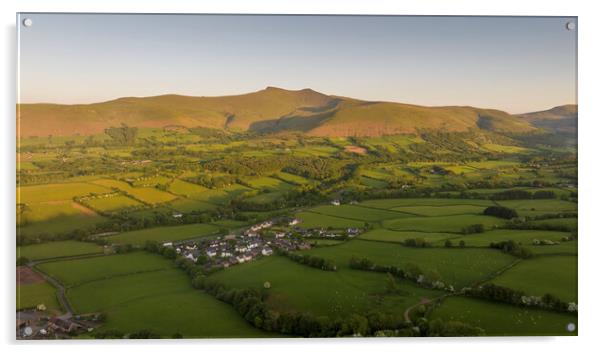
{"x":590,"y":129}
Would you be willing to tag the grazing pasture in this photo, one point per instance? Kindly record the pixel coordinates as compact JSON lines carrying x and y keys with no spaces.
{"x":537,"y":207}
{"x":58,"y":249}
{"x":316,"y":220}
{"x":164,"y":234}
{"x":292,"y":178}
{"x":499,"y":319}
{"x":569,"y":223}
{"x":31,"y":295}
{"x":270,"y":184}
{"x":113,"y":203}
{"x":180,"y":187}
{"x":562,"y":248}
{"x":459,"y":267}
{"x":524,"y":237}
{"x":393,"y":203}
{"x":387,"y":235}
{"x":334,"y":294}
{"x":356,"y":212}
{"x":78,"y":271}
{"x":56,"y":217}
{"x":441,"y":223}
{"x":145,"y":194}
{"x":556,"y":275}
{"x":222,"y":196}
{"x":441,"y":210}
{"x":56,"y":192}
{"x":127,"y":300}
{"x":191,"y":205}
{"x":373,"y":183}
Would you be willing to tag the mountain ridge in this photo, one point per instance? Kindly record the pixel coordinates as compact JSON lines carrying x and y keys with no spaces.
{"x":271,"y":109}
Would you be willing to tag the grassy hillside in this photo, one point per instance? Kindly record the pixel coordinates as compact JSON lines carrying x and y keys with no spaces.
{"x":559,"y":119}
{"x":268,"y":110}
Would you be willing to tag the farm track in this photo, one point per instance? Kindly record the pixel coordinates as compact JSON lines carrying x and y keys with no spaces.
{"x":61,"y":291}
{"x":60,"y":294}
{"x":423,"y":301}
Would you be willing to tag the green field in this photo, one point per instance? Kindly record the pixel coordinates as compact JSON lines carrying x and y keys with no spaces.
{"x":316,"y":220}
{"x":441,"y":223}
{"x":459,"y":267}
{"x":163,"y":234}
{"x":524,"y":237}
{"x":75,"y":272}
{"x":441,"y":210}
{"x":381,"y":234}
{"x":334,"y":294}
{"x":269,"y":183}
{"x":31,"y":295}
{"x":180,"y":187}
{"x":222,"y":196}
{"x":190,"y":205}
{"x":113,"y":203}
{"x":58,"y":249}
{"x":536,"y":207}
{"x":393,"y":203}
{"x":160,"y":299}
{"x":145,"y":194}
{"x":292,"y":178}
{"x":356,"y":212}
{"x":56,"y":217}
{"x":569,"y":223}
{"x":555,"y":275}
{"x":504,"y":320}
{"x":56,"y":192}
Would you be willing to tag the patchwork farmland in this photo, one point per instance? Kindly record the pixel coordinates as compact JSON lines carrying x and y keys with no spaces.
{"x":275,"y":236}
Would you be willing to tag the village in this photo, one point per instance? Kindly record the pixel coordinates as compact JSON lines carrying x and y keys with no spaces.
{"x":277,"y":235}
{"x":262,"y":239}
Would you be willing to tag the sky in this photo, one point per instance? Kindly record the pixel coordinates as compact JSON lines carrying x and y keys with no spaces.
{"x":516,"y":64}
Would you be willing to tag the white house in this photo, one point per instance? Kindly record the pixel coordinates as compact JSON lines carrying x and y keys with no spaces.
{"x":211,"y":253}
{"x":294,"y":221}
{"x":336,"y":203}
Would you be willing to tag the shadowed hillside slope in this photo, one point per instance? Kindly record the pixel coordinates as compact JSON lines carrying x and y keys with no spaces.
{"x":559,"y":119}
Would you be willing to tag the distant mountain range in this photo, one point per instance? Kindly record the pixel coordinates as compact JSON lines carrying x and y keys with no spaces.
{"x":275,"y":110}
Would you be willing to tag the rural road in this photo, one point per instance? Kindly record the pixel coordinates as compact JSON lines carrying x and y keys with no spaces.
{"x":60,"y":292}
{"x":60,"y":289}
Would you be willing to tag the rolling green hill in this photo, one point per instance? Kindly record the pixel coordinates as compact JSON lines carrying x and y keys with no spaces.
{"x":269,"y":110}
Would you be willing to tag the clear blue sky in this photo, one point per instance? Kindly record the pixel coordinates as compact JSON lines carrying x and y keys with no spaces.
{"x":513,"y":64}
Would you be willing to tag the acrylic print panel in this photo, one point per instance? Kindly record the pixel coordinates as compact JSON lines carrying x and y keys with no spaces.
{"x":228,"y":176}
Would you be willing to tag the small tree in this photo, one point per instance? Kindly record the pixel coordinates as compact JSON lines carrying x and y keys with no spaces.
{"x":448,"y":243}
{"x":462,"y":243}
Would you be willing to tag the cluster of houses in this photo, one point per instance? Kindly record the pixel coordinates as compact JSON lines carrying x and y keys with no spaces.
{"x":35,"y":324}
{"x":260,"y":239}
{"x":233,"y":249}
{"x":323,"y":233}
